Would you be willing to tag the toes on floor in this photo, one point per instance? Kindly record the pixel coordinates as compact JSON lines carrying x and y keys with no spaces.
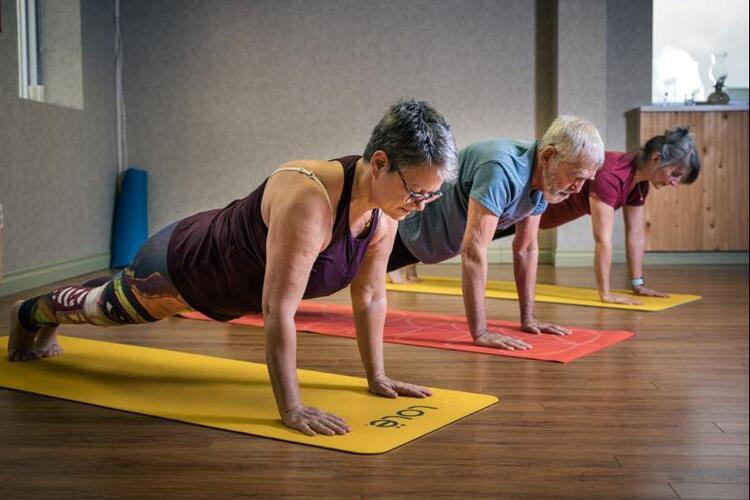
{"x":23,"y":355}
{"x":50,"y":351}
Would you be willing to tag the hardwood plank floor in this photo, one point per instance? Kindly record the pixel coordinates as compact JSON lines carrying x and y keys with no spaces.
{"x":664,"y":415}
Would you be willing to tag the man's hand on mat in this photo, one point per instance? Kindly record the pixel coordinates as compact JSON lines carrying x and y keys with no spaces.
{"x":647,"y":292}
{"x":312,"y":421}
{"x":615,"y":298}
{"x":490,"y":339}
{"x":384,"y":386}
{"x":533,"y":325}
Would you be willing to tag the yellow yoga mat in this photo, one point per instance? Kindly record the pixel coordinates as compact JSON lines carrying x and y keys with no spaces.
{"x":573,"y":295}
{"x":231,"y":395}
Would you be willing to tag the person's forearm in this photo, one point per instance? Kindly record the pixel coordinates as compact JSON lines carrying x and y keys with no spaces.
{"x":524,"y":272}
{"x":473,"y":281}
{"x":281,"y":361}
{"x":602,"y":266}
{"x":636,"y":246}
{"x":369,"y":320}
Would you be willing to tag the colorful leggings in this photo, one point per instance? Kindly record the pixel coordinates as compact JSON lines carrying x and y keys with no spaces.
{"x":140,"y":293}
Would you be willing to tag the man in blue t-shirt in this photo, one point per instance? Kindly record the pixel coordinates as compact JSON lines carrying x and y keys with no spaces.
{"x":501,"y":183}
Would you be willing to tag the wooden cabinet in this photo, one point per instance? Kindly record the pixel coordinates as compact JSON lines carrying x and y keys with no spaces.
{"x":712,"y":213}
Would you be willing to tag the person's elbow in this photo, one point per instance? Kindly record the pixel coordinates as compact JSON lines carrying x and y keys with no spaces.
{"x":364,"y":294}
{"x":473,"y":254}
{"x":277,"y":312}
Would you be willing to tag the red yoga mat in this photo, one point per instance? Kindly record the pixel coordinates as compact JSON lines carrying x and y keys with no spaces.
{"x":443,"y":332}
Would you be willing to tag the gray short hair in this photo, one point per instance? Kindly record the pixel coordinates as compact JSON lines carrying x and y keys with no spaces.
{"x":675,"y":147}
{"x":413,"y":133}
{"x":576,"y":140}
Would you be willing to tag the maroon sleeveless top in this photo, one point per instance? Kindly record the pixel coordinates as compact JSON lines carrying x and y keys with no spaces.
{"x":217,"y":259}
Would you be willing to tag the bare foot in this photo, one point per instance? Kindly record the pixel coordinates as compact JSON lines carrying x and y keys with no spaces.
{"x":411,"y":274}
{"x":21,"y":345}
{"x":46,"y":342}
{"x":396,"y":277}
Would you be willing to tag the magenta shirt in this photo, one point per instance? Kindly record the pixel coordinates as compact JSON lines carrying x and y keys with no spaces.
{"x":611,"y":185}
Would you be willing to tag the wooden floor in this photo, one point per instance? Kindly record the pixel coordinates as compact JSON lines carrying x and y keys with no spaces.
{"x":664,"y":415}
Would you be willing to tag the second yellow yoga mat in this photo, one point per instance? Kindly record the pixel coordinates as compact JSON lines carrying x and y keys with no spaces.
{"x":229,"y":394}
{"x":578,"y":296}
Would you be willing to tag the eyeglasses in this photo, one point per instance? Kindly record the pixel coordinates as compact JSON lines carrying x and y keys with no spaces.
{"x":415,"y":195}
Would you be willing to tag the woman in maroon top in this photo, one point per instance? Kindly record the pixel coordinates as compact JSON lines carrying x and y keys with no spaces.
{"x":665,"y":160}
{"x":312,"y":228}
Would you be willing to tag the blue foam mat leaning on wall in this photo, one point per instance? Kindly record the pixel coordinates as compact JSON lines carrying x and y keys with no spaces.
{"x":130,"y":228}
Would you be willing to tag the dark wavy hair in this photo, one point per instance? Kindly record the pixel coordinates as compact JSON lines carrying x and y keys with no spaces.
{"x":413,"y":133}
{"x":675,"y":147}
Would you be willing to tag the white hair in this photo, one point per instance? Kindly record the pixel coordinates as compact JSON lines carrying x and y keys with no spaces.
{"x":576,"y":141}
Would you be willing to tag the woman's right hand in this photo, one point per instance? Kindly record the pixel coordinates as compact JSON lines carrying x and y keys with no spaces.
{"x":490,"y":339}
{"x":614,"y":298}
{"x":647,"y":292}
{"x":312,"y":421}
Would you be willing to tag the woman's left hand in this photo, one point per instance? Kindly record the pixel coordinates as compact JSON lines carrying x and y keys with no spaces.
{"x":647,"y":292}
{"x":384,"y":386}
{"x":535,"y":326}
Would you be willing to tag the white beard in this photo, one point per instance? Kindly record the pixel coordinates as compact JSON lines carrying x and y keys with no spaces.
{"x":556,"y":197}
{"x":552,"y":192}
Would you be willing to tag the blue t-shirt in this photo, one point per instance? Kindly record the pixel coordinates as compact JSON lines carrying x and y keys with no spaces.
{"x":497,"y":174}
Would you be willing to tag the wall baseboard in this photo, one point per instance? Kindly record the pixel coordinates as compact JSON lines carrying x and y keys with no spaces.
{"x":19,"y":281}
{"x":582,"y":258}
{"x":696,"y":258}
{"x":586,"y":258}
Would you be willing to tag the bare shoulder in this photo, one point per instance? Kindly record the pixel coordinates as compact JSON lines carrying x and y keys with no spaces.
{"x":293,"y":177}
{"x":294,"y":195}
{"x":330,"y":173}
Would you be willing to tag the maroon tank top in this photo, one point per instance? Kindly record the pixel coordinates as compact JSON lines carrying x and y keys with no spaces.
{"x":217,"y":259}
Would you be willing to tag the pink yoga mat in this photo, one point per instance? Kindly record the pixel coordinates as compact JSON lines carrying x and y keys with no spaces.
{"x":443,"y":332}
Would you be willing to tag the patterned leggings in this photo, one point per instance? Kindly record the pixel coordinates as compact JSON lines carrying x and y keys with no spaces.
{"x":140,"y":293}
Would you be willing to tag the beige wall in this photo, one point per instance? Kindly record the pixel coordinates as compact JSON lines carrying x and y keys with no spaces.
{"x":604,"y":70}
{"x":61,"y":36}
{"x":629,"y":24}
{"x":219,"y":93}
{"x":57,"y":165}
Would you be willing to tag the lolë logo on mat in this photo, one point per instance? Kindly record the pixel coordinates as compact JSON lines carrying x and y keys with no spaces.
{"x":396,"y":420}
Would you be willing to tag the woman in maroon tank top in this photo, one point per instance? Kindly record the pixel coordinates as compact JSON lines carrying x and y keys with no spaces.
{"x":309,"y":230}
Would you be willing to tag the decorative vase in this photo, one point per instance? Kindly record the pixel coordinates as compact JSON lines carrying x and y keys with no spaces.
{"x":717,"y":73}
